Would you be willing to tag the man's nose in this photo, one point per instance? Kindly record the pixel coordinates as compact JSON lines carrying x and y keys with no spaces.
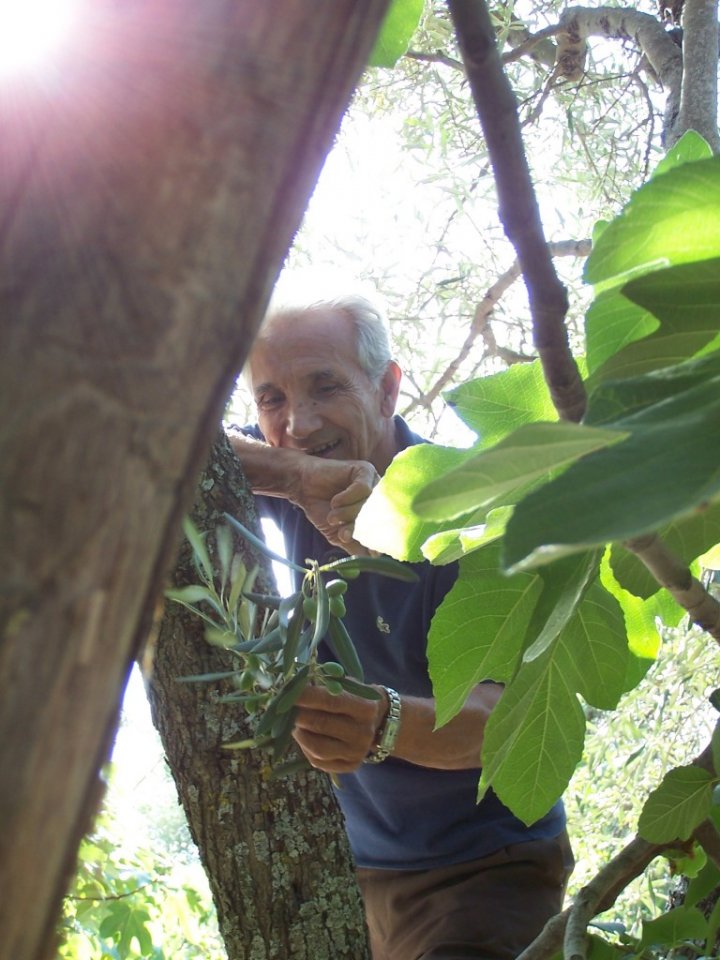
{"x":303,"y":419}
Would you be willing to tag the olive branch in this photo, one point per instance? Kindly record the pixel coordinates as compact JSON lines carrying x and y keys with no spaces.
{"x":275,"y":640}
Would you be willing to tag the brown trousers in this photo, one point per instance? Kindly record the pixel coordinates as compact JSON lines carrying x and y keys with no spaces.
{"x":488,"y":909}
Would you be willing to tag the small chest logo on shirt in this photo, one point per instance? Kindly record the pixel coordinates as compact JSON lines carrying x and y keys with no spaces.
{"x":382,"y":626}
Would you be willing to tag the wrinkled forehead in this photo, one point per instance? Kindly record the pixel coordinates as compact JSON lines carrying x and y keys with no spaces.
{"x":302,"y":343}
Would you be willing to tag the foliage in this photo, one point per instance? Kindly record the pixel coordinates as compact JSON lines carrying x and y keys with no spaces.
{"x":127,"y":904}
{"x":400,"y":24}
{"x":572,"y":489}
{"x":532,"y":515}
{"x":661,"y":723}
{"x":275,"y":640}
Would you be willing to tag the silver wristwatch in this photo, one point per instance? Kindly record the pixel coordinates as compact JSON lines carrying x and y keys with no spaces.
{"x":387,"y":734}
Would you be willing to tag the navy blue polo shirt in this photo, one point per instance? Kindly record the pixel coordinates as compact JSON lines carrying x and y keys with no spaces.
{"x":400,"y":815}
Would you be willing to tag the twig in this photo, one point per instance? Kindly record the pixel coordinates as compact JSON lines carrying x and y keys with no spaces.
{"x":110,"y":896}
{"x":437,"y":57}
{"x":518,"y":208}
{"x":673,"y":574}
{"x":481,"y":322}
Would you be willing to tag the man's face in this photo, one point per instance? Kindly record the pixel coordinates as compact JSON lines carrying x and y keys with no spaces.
{"x":313,"y":395}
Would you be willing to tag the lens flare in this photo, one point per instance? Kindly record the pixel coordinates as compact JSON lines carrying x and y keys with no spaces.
{"x":31,"y":31}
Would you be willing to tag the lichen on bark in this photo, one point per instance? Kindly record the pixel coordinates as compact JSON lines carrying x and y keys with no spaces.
{"x":275,"y":851}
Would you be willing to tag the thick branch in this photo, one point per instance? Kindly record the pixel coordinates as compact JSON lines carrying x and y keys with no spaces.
{"x":673,"y":574}
{"x":600,"y":894}
{"x":603,"y":890}
{"x":708,"y":837}
{"x":699,"y":98}
{"x":569,"y":928}
{"x":620,"y":23}
{"x":519,"y":214}
{"x":481,"y":322}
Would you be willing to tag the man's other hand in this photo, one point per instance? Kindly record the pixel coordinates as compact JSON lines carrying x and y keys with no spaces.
{"x":331,"y":493}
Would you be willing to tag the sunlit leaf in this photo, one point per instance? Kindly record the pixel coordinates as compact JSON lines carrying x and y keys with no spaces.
{"x":534,"y":737}
{"x":496,"y":405}
{"x":477,"y":633}
{"x":675,"y":808}
{"x":528,"y":454}
{"x":397,"y":29}
{"x":450,"y":545}
{"x":387,"y":522}
{"x":670,"y":220}
{"x":611,"y":323}
{"x":689,"y":148}
{"x":564,"y":585}
{"x":685,"y":299}
{"x":673,"y":450}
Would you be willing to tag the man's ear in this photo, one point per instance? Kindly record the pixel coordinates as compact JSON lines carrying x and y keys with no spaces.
{"x":389,"y":388}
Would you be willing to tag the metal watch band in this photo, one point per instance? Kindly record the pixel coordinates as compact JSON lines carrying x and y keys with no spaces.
{"x":388,"y":732}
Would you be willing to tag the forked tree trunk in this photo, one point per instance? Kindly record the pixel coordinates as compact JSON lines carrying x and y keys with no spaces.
{"x":275,"y":851}
{"x":151,"y":184}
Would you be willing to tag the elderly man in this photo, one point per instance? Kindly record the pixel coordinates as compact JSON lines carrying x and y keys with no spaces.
{"x":442,"y":877}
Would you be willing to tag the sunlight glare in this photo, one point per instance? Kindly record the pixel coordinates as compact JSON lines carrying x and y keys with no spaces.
{"x":31,"y":31}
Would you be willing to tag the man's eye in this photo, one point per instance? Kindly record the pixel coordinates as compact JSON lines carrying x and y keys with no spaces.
{"x":268,"y":401}
{"x":327,"y":389}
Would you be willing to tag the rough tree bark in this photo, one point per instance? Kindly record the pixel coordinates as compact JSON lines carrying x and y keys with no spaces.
{"x":151,"y":185}
{"x":275,"y":851}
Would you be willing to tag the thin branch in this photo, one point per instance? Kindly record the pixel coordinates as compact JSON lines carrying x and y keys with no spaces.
{"x":480,"y":326}
{"x":437,"y":57}
{"x":529,"y":42}
{"x":673,"y":574}
{"x":109,"y":896}
{"x":518,"y":208}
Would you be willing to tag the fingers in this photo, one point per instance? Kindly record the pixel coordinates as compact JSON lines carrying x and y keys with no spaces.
{"x":335,"y":733}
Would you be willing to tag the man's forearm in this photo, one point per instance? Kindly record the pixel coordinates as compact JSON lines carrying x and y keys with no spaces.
{"x":269,"y":470}
{"x":455,"y":746}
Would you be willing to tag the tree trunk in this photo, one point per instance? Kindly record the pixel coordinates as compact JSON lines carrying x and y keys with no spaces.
{"x":151,"y":184}
{"x":275,"y":851}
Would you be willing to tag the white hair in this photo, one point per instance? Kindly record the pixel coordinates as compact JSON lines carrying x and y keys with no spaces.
{"x":371,"y":333}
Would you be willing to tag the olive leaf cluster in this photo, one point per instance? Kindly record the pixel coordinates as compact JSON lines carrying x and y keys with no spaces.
{"x":276,"y":640}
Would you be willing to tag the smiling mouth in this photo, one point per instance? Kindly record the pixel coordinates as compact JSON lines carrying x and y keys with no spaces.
{"x":324,"y":450}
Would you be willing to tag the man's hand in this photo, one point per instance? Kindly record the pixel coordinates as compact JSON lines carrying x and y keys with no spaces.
{"x":336,"y":733}
{"x":331,"y":493}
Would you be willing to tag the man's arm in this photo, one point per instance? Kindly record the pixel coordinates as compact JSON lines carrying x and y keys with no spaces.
{"x":336,"y":733}
{"x":330,"y":492}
